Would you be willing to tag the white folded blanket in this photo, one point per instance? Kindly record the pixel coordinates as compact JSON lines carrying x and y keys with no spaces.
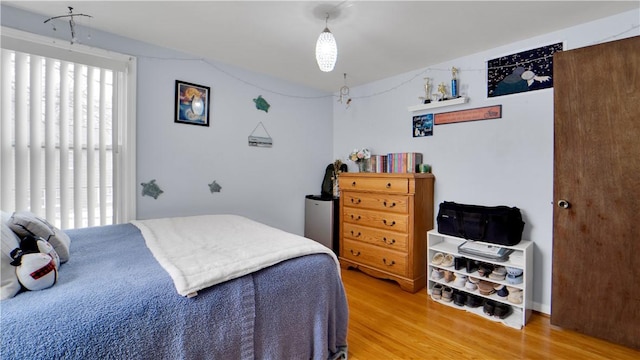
{"x":201,"y":251}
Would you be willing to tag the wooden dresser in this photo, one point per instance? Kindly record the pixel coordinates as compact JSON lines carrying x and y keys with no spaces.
{"x":384,"y":219}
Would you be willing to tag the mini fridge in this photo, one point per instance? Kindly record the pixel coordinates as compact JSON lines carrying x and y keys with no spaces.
{"x":321,"y":220}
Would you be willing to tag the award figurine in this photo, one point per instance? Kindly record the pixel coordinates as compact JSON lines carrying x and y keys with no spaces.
{"x":427,"y":91}
{"x":454,"y":82}
{"x":443,"y":92}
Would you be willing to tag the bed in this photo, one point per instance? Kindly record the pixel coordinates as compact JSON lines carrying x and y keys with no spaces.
{"x":114,"y":300}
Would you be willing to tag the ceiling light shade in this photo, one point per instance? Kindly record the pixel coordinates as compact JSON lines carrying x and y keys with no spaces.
{"x":326,"y":51}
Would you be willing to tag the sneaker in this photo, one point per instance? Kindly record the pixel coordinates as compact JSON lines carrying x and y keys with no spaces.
{"x":447,"y":294}
{"x":436,"y":292}
{"x":437,"y":274}
{"x":460,"y":280}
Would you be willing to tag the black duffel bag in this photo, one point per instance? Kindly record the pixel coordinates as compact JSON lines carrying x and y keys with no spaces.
{"x":493,"y":224}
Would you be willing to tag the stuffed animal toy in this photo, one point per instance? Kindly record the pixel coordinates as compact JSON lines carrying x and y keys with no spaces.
{"x":36,"y":263}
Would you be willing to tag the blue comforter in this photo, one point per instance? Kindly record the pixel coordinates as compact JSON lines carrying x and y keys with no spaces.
{"x":114,"y":301}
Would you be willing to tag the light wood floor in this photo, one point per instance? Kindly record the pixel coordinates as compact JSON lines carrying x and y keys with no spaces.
{"x":388,"y":323}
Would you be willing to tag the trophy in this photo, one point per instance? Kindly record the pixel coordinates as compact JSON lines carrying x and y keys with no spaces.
{"x":443,"y":91}
{"x":454,"y":83}
{"x":427,"y":91}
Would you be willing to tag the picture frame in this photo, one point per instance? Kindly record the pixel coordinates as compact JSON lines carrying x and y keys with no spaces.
{"x":192,"y":103}
{"x":423,"y":125}
{"x":524,"y":71}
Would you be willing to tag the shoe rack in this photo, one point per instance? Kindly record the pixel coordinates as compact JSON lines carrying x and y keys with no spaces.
{"x":513,"y":311}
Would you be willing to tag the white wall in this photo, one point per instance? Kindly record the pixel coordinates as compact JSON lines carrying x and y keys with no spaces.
{"x":265,"y":184}
{"x":507,"y":161}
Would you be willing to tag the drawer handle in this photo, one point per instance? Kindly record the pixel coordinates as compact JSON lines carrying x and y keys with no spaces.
{"x":355,"y":218}
{"x":388,"y":185}
{"x":390,"y":205}
{"x":389,"y":242}
{"x":353,"y":183}
{"x":354,"y":235}
{"x":355,"y":253}
{"x":388,"y":224}
{"x":355,"y":201}
{"x":391,"y":263}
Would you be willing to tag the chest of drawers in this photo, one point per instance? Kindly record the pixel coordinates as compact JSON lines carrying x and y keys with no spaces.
{"x":384,"y":219}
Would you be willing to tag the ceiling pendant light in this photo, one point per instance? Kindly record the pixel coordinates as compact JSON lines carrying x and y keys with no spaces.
{"x":326,"y":49}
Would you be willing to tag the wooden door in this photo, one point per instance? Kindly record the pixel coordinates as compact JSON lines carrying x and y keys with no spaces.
{"x":596,"y":252}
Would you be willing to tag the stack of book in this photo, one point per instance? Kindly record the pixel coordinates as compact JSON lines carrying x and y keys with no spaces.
{"x":378,"y":163}
{"x":395,"y":162}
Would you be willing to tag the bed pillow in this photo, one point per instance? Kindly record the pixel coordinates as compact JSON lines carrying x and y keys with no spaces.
{"x":24,"y":222}
{"x":9,"y":284}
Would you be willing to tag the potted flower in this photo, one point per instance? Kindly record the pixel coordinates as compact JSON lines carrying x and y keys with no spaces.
{"x":361,"y":158}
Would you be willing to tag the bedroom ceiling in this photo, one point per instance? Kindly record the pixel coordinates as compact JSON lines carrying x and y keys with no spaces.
{"x":376,"y":39}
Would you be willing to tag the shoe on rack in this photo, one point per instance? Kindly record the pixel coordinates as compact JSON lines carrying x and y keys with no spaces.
{"x":502,"y":310}
{"x":436,"y":292}
{"x":448,"y":260}
{"x":459,"y":297}
{"x":459,"y":262}
{"x":486,"y":288}
{"x":498,"y":273}
{"x":485,"y":269}
{"x":447,"y":294}
{"x":448,"y":276}
{"x":460,"y":280}
{"x":471,"y":266}
{"x":437,"y":258}
{"x":437,"y":274}
{"x":473,"y":301}
{"x":470,"y":285}
{"x":514,"y":270}
{"x":501,"y":290}
{"x":489,"y":307}
{"x":514,"y":279}
{"x":515,"y":295}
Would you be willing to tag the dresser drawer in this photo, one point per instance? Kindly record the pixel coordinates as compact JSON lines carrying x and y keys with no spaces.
{"x":387,"y":185}
{"x":375,"y":201}
{"x":374,"y":256}
{"x":386,"y":239}
{"x":377,"y":219}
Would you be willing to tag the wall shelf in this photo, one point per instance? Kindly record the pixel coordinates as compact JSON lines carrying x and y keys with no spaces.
{"x":437,"y":104}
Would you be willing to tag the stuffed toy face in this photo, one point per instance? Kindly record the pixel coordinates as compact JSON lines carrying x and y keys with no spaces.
{"x":37,"y":271}
{"x":36,"y":263}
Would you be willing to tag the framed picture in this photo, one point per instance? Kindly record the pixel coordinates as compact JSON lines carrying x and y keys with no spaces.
{"x":192,"y":103}
{"x":520,"y":72}
{"x":423,"y":125}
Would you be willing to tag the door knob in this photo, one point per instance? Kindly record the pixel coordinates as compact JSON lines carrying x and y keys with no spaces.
{"x":564,"y":204}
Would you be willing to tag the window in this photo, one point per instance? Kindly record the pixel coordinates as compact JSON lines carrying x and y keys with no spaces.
{"x":68,"y":130}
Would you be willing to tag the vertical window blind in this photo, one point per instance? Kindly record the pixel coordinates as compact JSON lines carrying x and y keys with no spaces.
{"x":66,"y":152}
